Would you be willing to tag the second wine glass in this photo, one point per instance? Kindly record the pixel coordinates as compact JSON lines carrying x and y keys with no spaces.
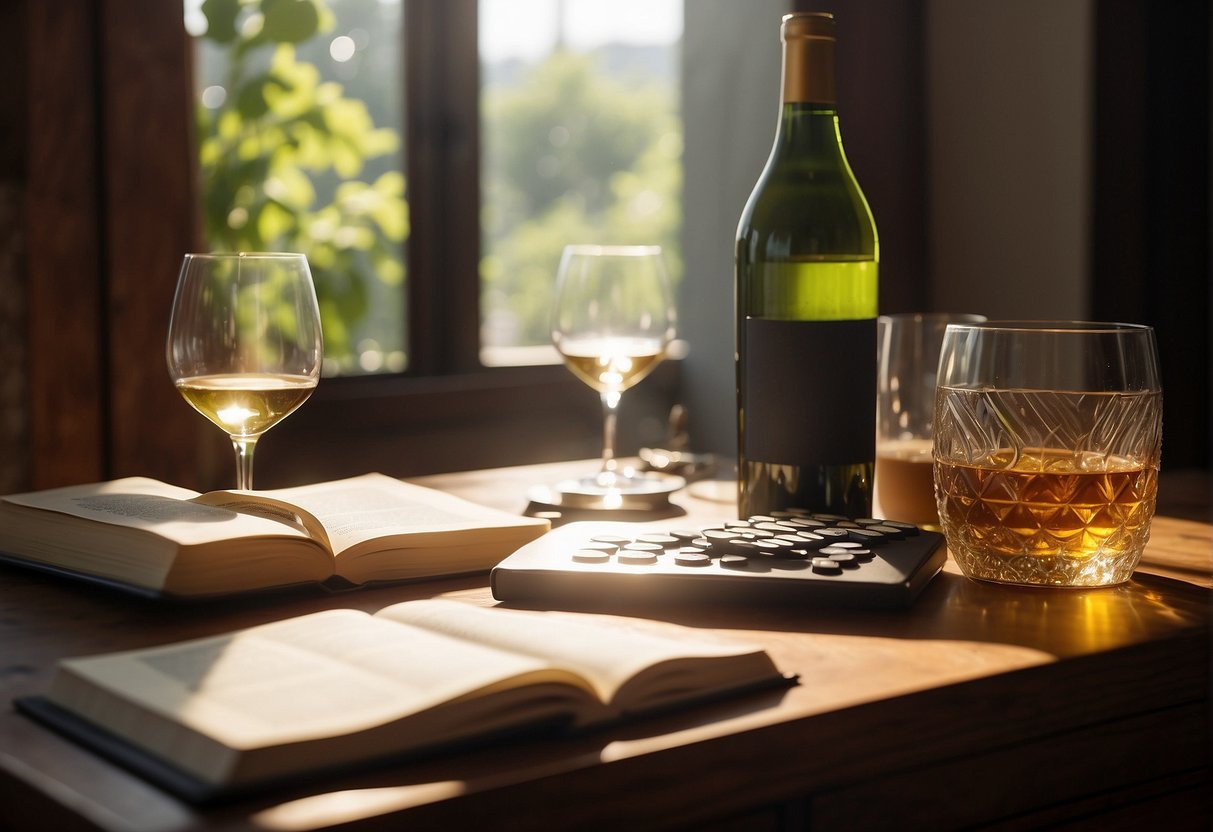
{"x":614,"y":318}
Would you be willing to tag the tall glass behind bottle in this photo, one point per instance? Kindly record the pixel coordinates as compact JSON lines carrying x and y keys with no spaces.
{"x":806,"y":302}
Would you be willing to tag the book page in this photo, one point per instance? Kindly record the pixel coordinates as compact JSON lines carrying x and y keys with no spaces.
{"x":374,"y":506}
{"x":153,"y":506}
{"x":327,"y":674}
{"x":608,"y":651}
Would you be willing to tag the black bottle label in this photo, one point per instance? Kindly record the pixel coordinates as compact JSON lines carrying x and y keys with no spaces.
{"x":809,"y":391}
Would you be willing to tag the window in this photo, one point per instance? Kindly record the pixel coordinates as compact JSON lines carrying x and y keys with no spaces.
{"x":300,"y":127}
{"x":581,"y":142}
{"x":436,"y":361}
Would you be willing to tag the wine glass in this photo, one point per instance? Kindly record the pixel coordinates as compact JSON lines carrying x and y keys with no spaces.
{"x":614,"y":318}
{"x":244,"y":344}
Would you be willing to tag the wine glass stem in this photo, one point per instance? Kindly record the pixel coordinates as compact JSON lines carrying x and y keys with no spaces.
{"x":610,"y":409}
{"x":244,"y":446}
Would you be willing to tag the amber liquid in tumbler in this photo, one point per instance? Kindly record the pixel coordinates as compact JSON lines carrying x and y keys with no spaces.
{"x":1053,"y":517}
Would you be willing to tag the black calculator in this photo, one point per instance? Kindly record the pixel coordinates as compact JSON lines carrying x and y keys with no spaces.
{"x":795,"y":557}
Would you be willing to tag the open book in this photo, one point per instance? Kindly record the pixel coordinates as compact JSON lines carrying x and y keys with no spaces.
{"x":145,"y":535}
{"x":336,"y":688}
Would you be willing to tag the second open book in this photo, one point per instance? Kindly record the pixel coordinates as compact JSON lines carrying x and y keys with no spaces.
{"x":338,"y":687}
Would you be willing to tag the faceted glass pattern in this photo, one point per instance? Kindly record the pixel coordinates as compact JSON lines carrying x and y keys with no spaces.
{"x":1047,"y":487}
{"x":1061,"y":526}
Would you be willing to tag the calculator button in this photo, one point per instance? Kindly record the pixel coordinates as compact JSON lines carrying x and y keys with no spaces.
{"x":776,"y":527}
{"x":827,"y":551}
{"x":636,"y":558}
{"x":663,"y":540}
{"x":892,"y":532}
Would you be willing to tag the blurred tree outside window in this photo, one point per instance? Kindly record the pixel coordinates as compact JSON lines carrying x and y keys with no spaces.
{"x":299,"y":150}
{"x":300,"y":124}
{"x":581,"y":139}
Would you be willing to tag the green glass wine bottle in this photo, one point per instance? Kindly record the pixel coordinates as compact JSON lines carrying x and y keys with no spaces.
{"x":806,"y":302}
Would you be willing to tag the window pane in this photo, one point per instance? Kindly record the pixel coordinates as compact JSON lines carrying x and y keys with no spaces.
{"x":299,"y":133}
{"x":581,"y":143}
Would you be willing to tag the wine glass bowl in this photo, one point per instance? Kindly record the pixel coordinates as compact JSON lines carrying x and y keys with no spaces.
{"x":612,"y":323}
{"x":244,"y":343}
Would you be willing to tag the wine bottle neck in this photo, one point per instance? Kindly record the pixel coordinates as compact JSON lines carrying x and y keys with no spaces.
{"x":808,"y":59}
{"x":808,"y":131}
{"x":808,"y":120}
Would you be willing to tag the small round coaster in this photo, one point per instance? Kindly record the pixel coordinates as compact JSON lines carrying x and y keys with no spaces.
{"x":638,"y":492}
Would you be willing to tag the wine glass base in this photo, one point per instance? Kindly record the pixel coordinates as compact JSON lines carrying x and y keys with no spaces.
{"x":632,"y":492}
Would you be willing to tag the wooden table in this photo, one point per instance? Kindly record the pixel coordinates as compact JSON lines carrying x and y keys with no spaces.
{"x":980,"y":705}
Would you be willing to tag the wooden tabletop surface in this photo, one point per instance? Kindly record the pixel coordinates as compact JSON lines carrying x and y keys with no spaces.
{"x":979,"y":702}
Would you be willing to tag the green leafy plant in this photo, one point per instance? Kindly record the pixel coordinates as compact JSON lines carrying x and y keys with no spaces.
{"x":282,"y":134}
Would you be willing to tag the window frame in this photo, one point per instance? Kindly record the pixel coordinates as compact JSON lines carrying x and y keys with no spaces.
{"x":442,"y":148}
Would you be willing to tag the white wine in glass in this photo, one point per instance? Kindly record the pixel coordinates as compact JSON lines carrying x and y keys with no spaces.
{"x":613,"y":320}
{"x":244,"y":343}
